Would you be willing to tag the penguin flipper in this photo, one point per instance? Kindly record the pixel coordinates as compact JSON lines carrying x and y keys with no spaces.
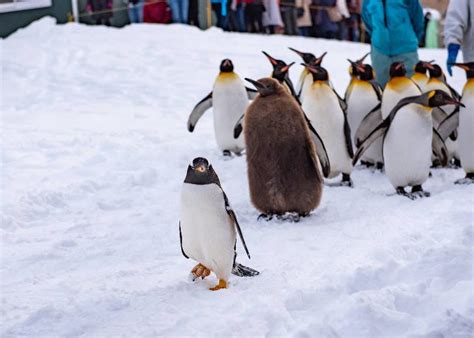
{"x":439,"y":148}
{"x":347,"y":136}
{"x":368,"y":124}
{"x":198,"y":111}
{"x":438,"y":115}
{"x":233,"y":217}
{"x":449,"y":125}
{"x":251,"y":93}
{"x":238,"y":127}
{"x":181,"y":241}
{"x":379,"y":131}
{"x":377,"y":88}
{"x":320,"y":148}
{"x":243,"y":271}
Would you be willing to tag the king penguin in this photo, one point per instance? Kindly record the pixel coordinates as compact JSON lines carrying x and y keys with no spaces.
{"x":282,"y":164}
{"x":208,"y":226}
{"x":309,"y":59}
{"x":281,"y":73}
{"x":398,"y":87}
{"x":365,"y":95}
{"x":328,"y":117}
{"x":229,"y":99}
{"x":354,"y":74}
{"x":408,"y":140}
{"x":463,"y":121}
{"x":419,"y":76}
{"x":437,"y":81}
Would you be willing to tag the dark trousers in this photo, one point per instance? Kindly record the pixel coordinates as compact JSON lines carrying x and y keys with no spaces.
{"x":253,"y":18}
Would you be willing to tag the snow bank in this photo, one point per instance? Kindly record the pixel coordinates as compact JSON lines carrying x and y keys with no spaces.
{"x":94,"y":154}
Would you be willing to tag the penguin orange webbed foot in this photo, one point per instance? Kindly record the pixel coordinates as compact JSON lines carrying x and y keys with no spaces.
{"x":200,"y":271}
{"x":221,"y":285}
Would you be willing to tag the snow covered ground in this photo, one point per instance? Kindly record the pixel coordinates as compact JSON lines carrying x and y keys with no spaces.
{"x":95,"y":150}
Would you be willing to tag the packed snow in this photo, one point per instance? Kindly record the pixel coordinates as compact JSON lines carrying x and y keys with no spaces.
{"x":94,"y":153}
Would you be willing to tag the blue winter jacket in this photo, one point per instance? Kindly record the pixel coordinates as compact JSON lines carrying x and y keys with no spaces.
{"x":395,"y":26}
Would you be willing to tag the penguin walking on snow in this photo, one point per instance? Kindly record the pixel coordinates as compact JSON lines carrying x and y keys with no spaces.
{"x":208,"y":226}
{"x":328,"y":117}
{"x":229,"y":99}
{"x":283,"y":170}
{"x":463,"y":121}
{"x":408,"y":140}
{"x":363,"y":97}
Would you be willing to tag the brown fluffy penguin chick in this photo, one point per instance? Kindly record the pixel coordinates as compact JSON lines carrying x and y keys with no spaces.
{"x":283,"y":169}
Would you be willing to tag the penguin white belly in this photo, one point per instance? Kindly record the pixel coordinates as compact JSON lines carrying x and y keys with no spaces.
{"x":323,"y":110}
{"x":396,"y":90}
{"x":229,"y":101}
{"x":466,"y":132}
{"x":299,"y":85}
{"x":208,"y":234}
{"x":407,"y":146}
{"x":360,"y":102}
{"x":308,"y":81}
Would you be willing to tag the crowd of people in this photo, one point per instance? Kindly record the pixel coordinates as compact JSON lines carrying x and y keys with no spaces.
{"x":335,"y":19}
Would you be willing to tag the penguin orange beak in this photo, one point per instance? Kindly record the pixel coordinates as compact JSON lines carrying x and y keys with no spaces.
{"x":357,"y":65}
{"x":200,"y":168}
{"x":461,"y":65}
{"x":296,"y":51}
{"x":285,"y":69}
{"x":319,"y":60}
{"x":271,"y":59}
{"x":361,"y":60}
{"x":429,"y":65}
{"x":227,"y":63}
{"x":400,"y":65}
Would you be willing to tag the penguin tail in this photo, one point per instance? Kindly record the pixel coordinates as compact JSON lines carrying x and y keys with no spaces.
{"x":244,"y":271}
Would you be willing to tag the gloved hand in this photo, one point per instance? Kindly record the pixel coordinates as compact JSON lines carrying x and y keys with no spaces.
{"x":453,"y":50}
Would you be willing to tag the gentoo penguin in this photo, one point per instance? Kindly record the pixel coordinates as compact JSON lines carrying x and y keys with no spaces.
{"x":463,"y":121}
{"x":280,"y":73}
{"x":283,"y":169}
{"x":419,"y":76}
{"x":365,"y":95}
{"x":354,"y":73}
{"x":328,"y":117}
{"x":408,"y":140}
{"x":229,"y":99}
{"x":309,"y":59}
{"x":207,"y":226}
{"x":398,"y":87}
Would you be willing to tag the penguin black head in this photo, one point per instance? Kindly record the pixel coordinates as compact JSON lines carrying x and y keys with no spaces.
{"x":438,"y":98}
{"x":267,"y":86}
{"x":227,"y":66}
{"x":366,"y":73}
{"x":280,"y":68}
{"x":435,"y":71}
{"x":353,"y":68}
{"x":201,"y":172}
{"x":398,"y":69}
{"x":422,"y":66}
{"x":319,"y":73}
{"x":319,"y":60}
{"x":307,"y":57}
{"x":468,"y":67}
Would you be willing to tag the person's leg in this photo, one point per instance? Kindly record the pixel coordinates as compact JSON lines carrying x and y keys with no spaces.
{"x":184,"y":11}
{"x":174,"y":6}
{"x":241,"y":16}
{"x":139,"y":6}
{"x":410,"y":60}
{"x":381,"y":64}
